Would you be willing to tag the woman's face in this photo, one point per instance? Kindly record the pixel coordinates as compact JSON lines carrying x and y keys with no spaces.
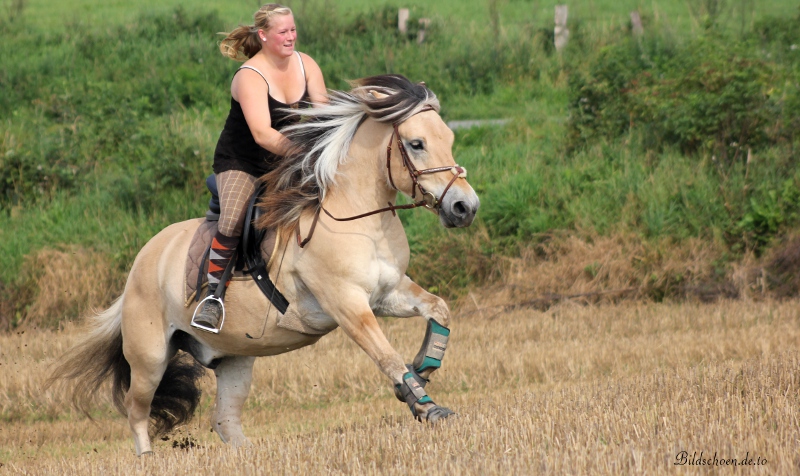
{"x":281,"y":36}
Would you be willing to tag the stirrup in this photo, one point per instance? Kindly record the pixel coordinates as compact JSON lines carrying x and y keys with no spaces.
{"x":212,"y":330}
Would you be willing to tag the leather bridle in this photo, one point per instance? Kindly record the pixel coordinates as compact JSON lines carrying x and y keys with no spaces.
{"x":427,"y":198}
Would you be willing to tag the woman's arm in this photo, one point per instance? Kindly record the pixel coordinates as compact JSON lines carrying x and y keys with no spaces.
{"x":316,"y":83}
{"x":252,"y":93}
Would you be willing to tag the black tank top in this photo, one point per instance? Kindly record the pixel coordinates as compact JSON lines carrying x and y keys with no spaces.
{"x":238,"y":150}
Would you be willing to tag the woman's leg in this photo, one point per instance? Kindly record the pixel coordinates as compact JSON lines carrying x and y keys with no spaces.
{"x":235,"y":190}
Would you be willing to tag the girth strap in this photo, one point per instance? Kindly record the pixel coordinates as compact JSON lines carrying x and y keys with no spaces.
{"x":260,"y":275}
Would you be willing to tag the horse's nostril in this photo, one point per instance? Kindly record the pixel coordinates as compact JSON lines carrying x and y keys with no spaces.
{"x":459,"y":209}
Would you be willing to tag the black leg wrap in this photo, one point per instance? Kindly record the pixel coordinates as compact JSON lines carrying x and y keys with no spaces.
{"x":431,"y":353}
{"x":412,"y":392}
{"x":422,"y":381}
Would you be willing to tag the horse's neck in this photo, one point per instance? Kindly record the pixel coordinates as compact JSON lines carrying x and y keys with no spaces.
{"x":361,"y":184}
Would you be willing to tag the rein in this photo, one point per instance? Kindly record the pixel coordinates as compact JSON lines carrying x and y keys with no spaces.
{"x":427,"y":198}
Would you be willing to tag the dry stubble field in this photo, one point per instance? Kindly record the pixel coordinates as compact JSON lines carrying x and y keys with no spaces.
{"x":611,"y":389}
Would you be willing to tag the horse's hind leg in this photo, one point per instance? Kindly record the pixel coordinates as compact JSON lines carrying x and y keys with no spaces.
{"x":147,"y":351}
{"x":234,"y":375}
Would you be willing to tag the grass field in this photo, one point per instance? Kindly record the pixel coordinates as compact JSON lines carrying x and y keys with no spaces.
{"x":616,"y":389}
{"x":116,"y":12}
{"x":48,"y":15}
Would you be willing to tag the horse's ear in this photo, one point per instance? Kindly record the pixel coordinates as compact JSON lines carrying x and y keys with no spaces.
{"x":377,"y":95}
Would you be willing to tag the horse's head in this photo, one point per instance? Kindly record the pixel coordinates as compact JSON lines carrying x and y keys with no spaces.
{"x":423,"y":168}
{"x":419,"y":162}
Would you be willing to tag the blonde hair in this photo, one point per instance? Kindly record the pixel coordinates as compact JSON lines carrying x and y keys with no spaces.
{"x":242,"y":43}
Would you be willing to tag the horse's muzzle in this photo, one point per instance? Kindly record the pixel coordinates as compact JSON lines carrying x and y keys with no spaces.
{"x":458,"y":209}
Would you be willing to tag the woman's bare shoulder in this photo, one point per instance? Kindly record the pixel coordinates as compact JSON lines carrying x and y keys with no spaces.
{"x":308,"y":62}
{"x":250,"y":81}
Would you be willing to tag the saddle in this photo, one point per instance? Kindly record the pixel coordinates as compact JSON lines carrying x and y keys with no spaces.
{"x":254,"y":243}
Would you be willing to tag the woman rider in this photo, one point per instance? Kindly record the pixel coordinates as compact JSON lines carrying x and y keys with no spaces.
{"x":274,"y":76}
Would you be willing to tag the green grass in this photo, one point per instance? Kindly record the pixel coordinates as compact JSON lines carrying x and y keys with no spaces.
{"x":48,"y":16}
{"x":107,"y":129}
{"x":92,"y":219}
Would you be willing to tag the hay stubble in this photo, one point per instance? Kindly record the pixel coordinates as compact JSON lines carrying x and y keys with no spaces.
{"x":577,"y":389}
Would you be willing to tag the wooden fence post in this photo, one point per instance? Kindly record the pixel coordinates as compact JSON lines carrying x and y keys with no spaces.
{"x":561,"y":33}
{"x":424,"y":23}
{"x":636,"y":24}
{"x":402,"y":20}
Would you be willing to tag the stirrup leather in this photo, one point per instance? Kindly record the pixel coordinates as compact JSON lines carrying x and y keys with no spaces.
{"x":212,"y":330}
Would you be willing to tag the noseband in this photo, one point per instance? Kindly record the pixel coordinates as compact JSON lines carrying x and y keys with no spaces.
{"x":427,"y":198}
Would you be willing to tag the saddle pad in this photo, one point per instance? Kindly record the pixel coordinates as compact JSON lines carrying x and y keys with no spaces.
{"x":197,"y":250}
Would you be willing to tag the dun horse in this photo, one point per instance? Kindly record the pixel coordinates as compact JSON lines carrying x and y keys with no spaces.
{"x":353,"y":156}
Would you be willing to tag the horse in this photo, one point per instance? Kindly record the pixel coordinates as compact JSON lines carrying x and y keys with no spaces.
{"x":339,"y":186}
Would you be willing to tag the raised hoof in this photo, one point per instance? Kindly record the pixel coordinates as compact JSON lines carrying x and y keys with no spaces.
{"x":438,"y":413}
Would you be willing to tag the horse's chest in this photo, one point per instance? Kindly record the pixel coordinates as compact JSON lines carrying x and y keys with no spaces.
{"x":387,"y":274}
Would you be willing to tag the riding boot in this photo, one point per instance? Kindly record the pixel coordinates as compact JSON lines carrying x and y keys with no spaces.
{"x":210,"y":311}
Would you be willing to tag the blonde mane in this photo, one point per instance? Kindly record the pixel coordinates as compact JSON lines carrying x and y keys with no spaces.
{"x":322,"y":140}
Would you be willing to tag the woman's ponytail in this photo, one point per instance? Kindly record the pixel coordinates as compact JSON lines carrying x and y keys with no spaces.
{"x":241,"y":44}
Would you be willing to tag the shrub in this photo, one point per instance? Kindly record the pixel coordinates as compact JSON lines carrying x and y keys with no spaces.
{"x":769,"y":209}
{"x":95,"y":104}
{"x":599,"y":103}
{"x":781,"y":36}
{"x":711,"y":95}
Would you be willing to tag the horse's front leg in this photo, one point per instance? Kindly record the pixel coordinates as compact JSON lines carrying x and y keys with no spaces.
{"x":409,"y":299}
{"x":349,"y":306}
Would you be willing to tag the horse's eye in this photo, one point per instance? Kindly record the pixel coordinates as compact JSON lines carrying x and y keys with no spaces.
{"x":417,"y":144}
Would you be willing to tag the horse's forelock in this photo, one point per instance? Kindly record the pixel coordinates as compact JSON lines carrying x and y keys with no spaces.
{"x":395,"y":98}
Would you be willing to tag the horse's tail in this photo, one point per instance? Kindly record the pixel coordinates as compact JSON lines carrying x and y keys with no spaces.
{"x":98,"y":358}
{"x":95,"y":359}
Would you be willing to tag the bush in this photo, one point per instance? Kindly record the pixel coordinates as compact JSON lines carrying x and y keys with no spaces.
{"x":769,"y":211}
{"x":781,"y":36}
{"x":522,"y":207}
{"x":94,"y":104}
{"x":599,"y":103}
{"x":711,"y":95}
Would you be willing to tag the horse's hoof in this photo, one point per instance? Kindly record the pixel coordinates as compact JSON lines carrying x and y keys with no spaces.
{"x":438,"y":413}
{"x":146,"y":454}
